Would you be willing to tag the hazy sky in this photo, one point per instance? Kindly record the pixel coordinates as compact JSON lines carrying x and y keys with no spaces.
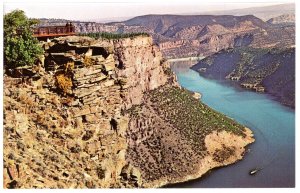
{"x":93,"y":10}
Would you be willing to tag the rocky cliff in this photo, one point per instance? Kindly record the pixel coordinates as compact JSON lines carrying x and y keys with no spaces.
{"x":108,"y":113}
{"x":195,"y":35}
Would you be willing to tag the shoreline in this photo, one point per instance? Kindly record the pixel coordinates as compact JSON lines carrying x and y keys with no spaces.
{"x":238,"y":86}
{"x":194,"y":58}
{"x":213,"y":142}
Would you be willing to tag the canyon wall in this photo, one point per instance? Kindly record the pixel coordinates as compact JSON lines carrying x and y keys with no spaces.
{"x":76,"y":120}
{"x":66,"y":129}
{"x":199,"y":35}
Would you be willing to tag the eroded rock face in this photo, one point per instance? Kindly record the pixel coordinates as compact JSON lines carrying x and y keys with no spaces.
{"x":73,"y":124}
{"x":141,"y":64}
{"x":202,"y":35}
{"x":66,"y":129}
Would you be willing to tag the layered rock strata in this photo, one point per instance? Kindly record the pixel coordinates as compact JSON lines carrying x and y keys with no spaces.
{"x":199,"y":35}
{"x":71,"y":125}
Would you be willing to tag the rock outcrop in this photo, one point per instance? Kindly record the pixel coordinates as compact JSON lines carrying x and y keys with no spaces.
{"x":141,"y":65}
{"x":72,"y":123}
{"x":200,"y":35}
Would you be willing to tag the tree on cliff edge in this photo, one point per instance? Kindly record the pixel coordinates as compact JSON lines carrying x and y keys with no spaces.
{"x":20,"y":47}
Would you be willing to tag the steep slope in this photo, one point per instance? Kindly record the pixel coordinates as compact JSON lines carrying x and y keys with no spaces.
{"x":105,"y":113}
{"x":213,"y":29}
{"x":64,"y":127}
{"x":269,"y":70}
{"x":199,"y":35}
{"x":194,"y":35}
{"x":174,"y":138}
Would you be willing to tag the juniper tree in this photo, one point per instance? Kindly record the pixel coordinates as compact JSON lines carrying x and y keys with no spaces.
{"x":20,"y":47}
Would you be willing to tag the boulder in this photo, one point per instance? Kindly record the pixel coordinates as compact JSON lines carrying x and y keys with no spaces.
{"x":21,"y":123}
{"x":109,"y":83}
{"x":109,"y":66}
{"x":89,"y":52}
{"x":197,"y":95}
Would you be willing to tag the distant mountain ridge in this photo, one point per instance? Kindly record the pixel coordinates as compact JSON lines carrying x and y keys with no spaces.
{"x":197,"y":35}
{"x":180,"y":21}
{"x":283,"y":19}
{"x":264,"y":12}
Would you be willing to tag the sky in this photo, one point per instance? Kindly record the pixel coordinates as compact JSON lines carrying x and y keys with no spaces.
{"x":105,"y":10}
